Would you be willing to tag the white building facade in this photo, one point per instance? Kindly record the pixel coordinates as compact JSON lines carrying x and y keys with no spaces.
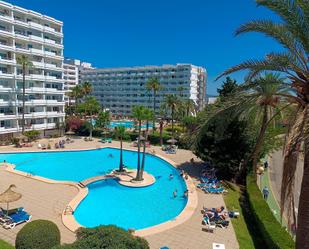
{"x":119,"y":89}
{"x":40,"y":39}
{"x":72,"y":75}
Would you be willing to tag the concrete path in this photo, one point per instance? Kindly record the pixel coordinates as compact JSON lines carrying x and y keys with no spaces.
{"x":275,"y":174}
{"x":41,"y":200}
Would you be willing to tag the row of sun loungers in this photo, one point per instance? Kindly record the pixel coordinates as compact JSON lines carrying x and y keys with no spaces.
{"x":10,"y":219}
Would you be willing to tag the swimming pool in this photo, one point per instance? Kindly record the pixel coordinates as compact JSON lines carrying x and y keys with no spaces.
{"x":127,"y":124}
{"x":107,"y":201}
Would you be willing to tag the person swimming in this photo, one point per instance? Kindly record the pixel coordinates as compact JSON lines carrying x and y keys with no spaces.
{"x":175,"y":193}
{"x":171,"y":176}
{"x":110,"y":155}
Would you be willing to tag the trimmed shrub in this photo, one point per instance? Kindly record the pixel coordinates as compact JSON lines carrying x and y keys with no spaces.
{"x":38,"y":234}
{"x":32,"y":135}
{"x":108,"y":237}
{"x":273,"y":234}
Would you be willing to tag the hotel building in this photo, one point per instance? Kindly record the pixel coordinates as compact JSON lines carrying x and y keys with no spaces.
{"x":40,"y":38}
{"x":119,"y":89}
{"x":72,"y":74}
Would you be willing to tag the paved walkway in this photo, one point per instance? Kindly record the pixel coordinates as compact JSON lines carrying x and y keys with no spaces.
{"x":41,"y":200}
{"x":47,"y":201}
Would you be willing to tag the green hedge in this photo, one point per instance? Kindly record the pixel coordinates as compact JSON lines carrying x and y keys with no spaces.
{"x":109,"y":237}
{"x":38,"y":234}
{"x":273,"y":234}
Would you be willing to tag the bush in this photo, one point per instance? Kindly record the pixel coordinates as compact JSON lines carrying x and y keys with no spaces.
{"x":32,"y":135}
{"x":273,"y":234}
{"x":108,"y":237}
{"x":38,"y":234}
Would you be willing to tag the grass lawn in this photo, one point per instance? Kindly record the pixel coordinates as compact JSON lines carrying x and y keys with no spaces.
{"x":5,"y":245}
{"x":246,"y":236}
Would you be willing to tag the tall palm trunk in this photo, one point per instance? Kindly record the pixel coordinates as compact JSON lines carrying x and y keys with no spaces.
{"x":259,"y":142}
{"x":144,"y":149}
{"x":91,"y":127}
{"x":154,"y":112}
{"x":161,"y":132}
{"x":302,"y":235}
{"x":121,"y":157}
{"x":24,"y":95}
{"x":138,"y":173}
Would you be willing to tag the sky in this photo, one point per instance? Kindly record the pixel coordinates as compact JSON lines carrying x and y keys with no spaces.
{"x":118,"y":33}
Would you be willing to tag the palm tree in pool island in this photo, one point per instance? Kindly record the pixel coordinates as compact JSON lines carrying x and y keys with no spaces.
{"x":25,"y":64}
{"x":138,"y":113}
{"x":154,"y":85}
{"x":292,"y":34}
{"x":148,"y":115}
{"x":121,"y":131}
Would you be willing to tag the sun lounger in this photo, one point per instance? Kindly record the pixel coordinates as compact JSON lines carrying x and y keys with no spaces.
{"x":210,"y":226}
{"x":213,"y":190}
{"x":16,"y":219}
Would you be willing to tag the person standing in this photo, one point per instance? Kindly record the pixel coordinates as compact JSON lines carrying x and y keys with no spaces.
{"x":265,"y":193}
{"x":266,"y":165}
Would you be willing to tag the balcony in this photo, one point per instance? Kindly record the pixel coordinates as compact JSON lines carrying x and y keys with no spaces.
{"x":35,"y":25}
{"x":38,"y":64}
{"x":6,"y":18}
{"x":7,"y":130}
{"x":6,"y":75}
{"x":36,"y":51}
{"x":6,"y":47}
{"x":37,"y":76}
{"x":36,"y":38}
{"x":49,"y":41}
{"x":7,"y":61}
{"x":6,"y":32}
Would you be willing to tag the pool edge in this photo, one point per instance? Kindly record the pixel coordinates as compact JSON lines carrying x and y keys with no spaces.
{"x":71,"y":223}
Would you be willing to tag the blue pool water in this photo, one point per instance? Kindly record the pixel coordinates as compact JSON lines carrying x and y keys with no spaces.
{"x":127,"y":124}
{"x":109,"y":202}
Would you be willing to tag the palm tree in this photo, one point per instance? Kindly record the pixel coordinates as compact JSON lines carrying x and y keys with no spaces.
{"x":154,"y":85}
{"x":171,"y":103}
{"x":180,"y":89}
{"x":87,"y":88}
{"x":121,"y":130}
{"x":189,"y":106}
{"x":148,"y":115}
{"x":261,"y":99}
{"x":77,"y":93}
{"x":138,"y":114}
{"x":90,"y":107}
{"x":23,"y":60}
{"x":292,"y":34}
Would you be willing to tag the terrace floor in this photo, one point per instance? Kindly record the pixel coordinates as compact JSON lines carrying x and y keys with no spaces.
{"x":47,"y":201}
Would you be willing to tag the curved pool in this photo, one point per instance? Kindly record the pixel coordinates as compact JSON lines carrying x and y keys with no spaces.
{"x":107,"y":201}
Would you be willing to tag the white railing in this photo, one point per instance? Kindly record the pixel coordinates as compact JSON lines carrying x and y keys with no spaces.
{"x":35,"y":25}
{"x":35,"y":50}
{"x":36,"y":38}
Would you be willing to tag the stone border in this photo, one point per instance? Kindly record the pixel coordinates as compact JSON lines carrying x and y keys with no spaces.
{"x":68,"y":218}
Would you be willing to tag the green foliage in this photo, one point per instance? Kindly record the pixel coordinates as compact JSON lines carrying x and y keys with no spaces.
{"x":38,"y":234}
{"x":89,"y":107}
{"x":228,"y":87}
{"x":32,"y":135}
{"x":5,"y":245}
{"x":107,"y":237}
{"x":225,"y":141}
{"x":103,"y":119}
{"x":273,"y":234}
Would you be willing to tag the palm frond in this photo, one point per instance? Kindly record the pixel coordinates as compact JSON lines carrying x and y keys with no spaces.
{"x":293,"y":17}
